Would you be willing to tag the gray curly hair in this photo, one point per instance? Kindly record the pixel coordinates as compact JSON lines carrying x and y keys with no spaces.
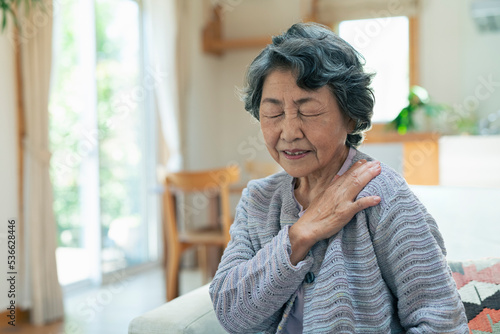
{"x":317,"y":57}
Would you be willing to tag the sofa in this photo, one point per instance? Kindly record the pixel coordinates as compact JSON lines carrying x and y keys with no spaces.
{"x":478,"y":283}
{"x":190,"y":313}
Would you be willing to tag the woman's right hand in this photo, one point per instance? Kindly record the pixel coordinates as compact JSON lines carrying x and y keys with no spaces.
{"x":333,"y":208}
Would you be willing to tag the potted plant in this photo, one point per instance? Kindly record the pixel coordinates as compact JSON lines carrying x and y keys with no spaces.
{"x":419,"y":114}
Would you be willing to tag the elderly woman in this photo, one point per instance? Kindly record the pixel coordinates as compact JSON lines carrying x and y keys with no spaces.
{"x":337,"y":243}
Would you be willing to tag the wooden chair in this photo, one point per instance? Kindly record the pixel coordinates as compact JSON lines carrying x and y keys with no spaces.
{"x":214,"y":185}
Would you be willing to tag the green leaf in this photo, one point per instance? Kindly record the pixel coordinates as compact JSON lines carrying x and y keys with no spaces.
{"x":4,"y":19}
{"x":418,"y":95}
{"x":402,"y":129}
{"x":6,"y":8}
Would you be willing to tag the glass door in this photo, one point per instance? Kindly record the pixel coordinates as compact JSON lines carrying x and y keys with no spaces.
{"x":103,"y":139}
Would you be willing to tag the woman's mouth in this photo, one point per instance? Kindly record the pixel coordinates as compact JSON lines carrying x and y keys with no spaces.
{"x":295,"y":154}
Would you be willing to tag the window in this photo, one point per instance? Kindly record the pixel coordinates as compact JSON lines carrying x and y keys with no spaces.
{"x":384,"y":42}
{"x":103,"y":139}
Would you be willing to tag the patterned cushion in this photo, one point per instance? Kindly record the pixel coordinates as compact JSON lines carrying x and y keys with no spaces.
{"x":478,"y":283}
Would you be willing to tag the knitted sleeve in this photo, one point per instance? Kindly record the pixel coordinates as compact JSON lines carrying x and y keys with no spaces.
{"x":411,"y":254}
{"x":251,"y":285}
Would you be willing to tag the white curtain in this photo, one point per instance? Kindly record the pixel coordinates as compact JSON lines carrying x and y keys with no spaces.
{"x":161,"y":28}
{"x":42,"y":293}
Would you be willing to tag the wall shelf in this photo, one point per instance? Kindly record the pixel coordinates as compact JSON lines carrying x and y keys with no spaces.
{"x":214,"y":43}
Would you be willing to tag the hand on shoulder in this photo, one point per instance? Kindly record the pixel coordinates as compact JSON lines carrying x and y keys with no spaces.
{"x":332,"y":209}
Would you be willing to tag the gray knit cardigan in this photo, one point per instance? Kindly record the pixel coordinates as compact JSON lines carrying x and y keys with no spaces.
{"x":384,"y":272}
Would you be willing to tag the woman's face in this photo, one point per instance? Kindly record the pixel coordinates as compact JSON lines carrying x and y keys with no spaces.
{"x":305,"y":131}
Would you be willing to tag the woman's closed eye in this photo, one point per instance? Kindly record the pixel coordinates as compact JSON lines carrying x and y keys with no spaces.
{"x":274,"y":115}
{"x":310,"y":113}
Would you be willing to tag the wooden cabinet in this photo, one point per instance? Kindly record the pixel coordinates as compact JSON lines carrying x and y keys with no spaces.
{"x":420,"y":153}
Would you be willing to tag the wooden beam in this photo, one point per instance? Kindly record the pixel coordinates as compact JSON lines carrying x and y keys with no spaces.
{"x":313,"y":16}
{"x":414,"y":36}
{"x":240,"y":43}
{"x":21,"y":132}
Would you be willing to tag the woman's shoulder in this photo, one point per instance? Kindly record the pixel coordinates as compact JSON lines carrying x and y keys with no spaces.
{"x":264,"y":189}
{"x":396,"y":196}
{"x":387,"y":184}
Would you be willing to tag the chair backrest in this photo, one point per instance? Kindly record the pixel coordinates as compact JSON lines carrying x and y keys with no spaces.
{"x":214,"y":182}
{"x":204,"y":180}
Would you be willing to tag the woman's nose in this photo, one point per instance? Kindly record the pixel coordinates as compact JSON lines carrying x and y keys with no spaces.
{"x":291,"y":128}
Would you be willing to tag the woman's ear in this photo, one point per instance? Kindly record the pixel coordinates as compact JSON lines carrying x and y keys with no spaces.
{"x":351,"y":125}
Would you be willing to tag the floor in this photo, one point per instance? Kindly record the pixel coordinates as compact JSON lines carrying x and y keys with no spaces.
{"x":110,"y":308}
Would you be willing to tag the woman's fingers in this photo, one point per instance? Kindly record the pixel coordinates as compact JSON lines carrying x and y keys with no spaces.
{"x":358,"y":176}
{"x":366,"y":202}
{"x":331,"y":210}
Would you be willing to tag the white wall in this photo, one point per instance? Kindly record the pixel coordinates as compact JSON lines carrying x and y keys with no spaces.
{"x":8,"y":154}
{"x":480,"y":168}
{"x":454,"y":56}
{"x":199,"y":114}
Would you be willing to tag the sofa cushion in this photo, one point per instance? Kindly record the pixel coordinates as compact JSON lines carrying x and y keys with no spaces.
{"x":478,"y":283}
{"x":191,"y":313}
